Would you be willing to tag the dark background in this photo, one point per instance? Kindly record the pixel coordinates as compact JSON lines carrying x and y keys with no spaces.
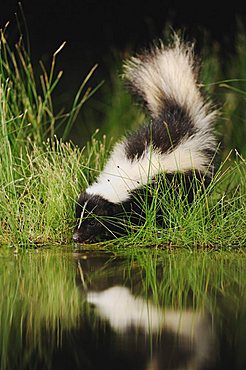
{"x":96,"y":31}
{"x":94,"y":27}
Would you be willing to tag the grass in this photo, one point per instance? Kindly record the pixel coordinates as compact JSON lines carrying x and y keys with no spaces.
{"x":41,"y":175}
{"x":215,"y":218}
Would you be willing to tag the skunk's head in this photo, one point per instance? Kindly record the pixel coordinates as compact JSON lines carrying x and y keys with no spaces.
{"x":94,"y":218}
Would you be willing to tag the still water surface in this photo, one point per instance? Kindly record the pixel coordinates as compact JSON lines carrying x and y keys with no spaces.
{"x":146,"y":310}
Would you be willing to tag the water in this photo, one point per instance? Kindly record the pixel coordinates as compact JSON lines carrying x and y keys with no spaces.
{"x":148,"y":310}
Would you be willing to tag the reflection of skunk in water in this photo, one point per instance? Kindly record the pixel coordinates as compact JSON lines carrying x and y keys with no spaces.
{"x":126,"y":314}
{"x":178,"y":139}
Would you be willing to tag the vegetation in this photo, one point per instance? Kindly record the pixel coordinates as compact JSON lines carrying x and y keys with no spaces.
{"x":41,"y":175}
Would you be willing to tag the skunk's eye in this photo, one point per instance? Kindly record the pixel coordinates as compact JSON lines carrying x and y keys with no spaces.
{"x":92,"y":222}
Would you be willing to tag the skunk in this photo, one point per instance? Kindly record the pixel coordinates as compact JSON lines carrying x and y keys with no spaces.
{"x":179,"y":138}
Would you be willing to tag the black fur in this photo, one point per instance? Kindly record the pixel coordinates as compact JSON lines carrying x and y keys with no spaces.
{"x":109,"y":220}
{"x":101,"y":218}
{"x":163,"y":133}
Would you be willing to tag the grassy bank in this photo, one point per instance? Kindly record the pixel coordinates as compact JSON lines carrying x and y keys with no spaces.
{"x":41,"y":176}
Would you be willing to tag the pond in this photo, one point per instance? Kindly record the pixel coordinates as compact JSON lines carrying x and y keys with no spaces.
{"x":63,"y":308}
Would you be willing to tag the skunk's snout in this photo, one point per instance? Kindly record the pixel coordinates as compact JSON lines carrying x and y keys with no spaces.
{"x":80,"y":238}
{"x":77,"y":238}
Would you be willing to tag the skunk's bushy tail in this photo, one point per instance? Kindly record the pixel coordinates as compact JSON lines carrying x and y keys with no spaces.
{"x":169,"y":74}
{"x":179,"y":136}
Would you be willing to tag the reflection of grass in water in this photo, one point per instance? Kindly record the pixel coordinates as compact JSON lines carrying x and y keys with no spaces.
{"x":206,"y":281}
{"x":180,"y":278}
{"x":38,"y":295}
{"x":174,"y":278}
{"x":40,"y":299}
{"x":209,"y":282}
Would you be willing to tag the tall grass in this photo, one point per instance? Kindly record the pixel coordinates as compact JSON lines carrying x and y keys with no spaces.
{"x":41,"y":175}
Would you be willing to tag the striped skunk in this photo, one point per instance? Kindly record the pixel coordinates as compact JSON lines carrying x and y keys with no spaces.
{"x":179,"y":138}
